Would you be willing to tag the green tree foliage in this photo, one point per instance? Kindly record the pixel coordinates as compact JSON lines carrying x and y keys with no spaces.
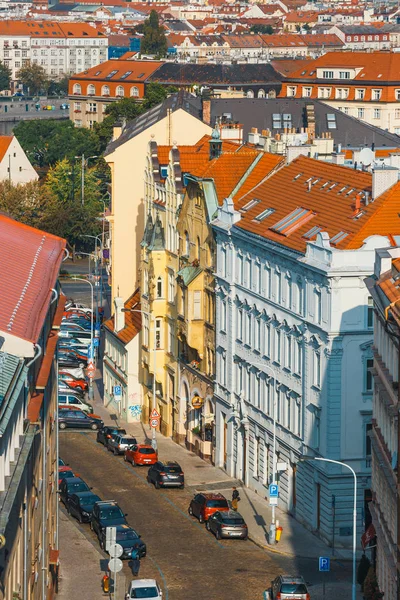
{"x":47,"y":141}
{"x":59,"y":87}
{"x":33,"y":77}
{"x":154,"y":41}
{"x":24,"y":202}
{"x":267,"y":29}
{"x":5,"y":76}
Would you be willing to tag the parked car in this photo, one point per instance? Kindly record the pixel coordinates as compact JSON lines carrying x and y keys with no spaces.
{"x":72,"y":486}
{"x":287,"y":587}
{"x":79,"y":372}
{"x":81,"y":353}
{"x":80,"y":505}
{"x":74,"y":382}
{"x":64,"y":106}
{"x":144,"y":588}
{"x":80,"y":319}
{"x":65,"y":388}
{"x":166,"y":474}
{"x":69,"y":325}
{"x":71,"y":305}
{"x":120,"y":443}
{"x":227,"y":524}
{"x":105,"y":434}
{"x":71,"y":400}
{"x":67,"y":360}
{"x":78,"y":419}
{"x":106,"y":514}
{"x":61,"y":463}
{"x":141,"y":454}
{"x":64,"y":472}
{"x":83,"y":338}
{"x":204,"y":505}
{"x":128,"y":538}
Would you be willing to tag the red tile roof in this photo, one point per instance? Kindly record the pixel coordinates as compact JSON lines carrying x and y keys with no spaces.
{"x":5,"y":141}
{"x":47,"y":29}
{"x":139,"y":70}
{"x":133,"y":320}
{"x":30,"y":261}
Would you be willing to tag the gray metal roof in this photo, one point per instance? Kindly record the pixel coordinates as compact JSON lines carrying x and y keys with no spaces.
{"x":12,"y":375}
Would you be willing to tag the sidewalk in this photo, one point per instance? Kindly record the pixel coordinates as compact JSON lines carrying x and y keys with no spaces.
{"x":202,"y":476}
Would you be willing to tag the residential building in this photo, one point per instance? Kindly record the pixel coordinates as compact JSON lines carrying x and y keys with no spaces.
{"x":177,"y":119}
{"x":363,"y":37}
{"x":59,"y":48}
{"x":365,"y":85}
{"x":383,"y":443}
{"x":121,"y":359}
{"x":294,"y":333}
{"x":31,"y":311}
{"x":14,"y":164}
{"x":91,"y":91}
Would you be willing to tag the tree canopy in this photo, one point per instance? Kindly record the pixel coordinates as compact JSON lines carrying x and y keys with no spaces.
{"x":267,"y":29}
{"x":33,"y":77}
{"x":154,"y":41}
{"x":5,"y":77}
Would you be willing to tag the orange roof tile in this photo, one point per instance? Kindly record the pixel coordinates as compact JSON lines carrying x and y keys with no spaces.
{"x":267,"y":164}
{"x":228,"y":169}
{"x":139,"y":70}
{"x":133,"y":320}
{"x":5,"y":141}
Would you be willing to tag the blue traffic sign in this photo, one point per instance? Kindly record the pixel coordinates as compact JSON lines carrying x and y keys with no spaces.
{"x":96,"y":342}
{"x":324,"y":563}
{"x":117,"y":390}
{"x":273,"y":490}
{"x":90,"y":351}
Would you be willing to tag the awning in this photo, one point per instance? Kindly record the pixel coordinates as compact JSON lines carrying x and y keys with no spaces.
{"x":368,"y":536}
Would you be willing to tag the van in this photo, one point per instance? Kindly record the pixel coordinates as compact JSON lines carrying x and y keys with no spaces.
{"x":74,"y":402}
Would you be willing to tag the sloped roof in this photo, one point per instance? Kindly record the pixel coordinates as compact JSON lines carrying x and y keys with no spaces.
{"x":138,"y":70}
{"x":228,"y":169}
{"x":5,"y":141}
{"x":223,"y":75}
{"x":30,"y":260}
{"x":188,"y":274}
{"x":133,"y":320}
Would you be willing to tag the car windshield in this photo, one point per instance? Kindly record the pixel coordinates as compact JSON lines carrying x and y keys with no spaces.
{"x":145,"y":592}
{"x":65,"y":474}
{"x":80,"y":486}
{"x":128,"y":441}
{"x":172,"y":469}
{"x":111,"y":513}
{"x":233,"y":521}
{"x":146,"y":451}
{"x":88,"y":500}
{"x":293,"y":588}
{"x":123,"y":536}
{"x":217,"y":504}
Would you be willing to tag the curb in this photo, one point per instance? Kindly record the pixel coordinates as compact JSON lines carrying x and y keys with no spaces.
{"x":291,"y":555}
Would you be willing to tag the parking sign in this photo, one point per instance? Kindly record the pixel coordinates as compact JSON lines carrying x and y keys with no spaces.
{"x":324,"y":563}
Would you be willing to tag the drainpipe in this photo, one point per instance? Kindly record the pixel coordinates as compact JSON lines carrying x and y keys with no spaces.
{"x":55,"y":295}
{"x":39,"y":353}
{"x":44,"y":498}
{"x":25,"y":567}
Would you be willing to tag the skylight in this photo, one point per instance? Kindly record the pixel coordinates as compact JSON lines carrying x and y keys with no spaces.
{"x":342,"y":189}
{"x":266,"y":213}
{"x":297,"y":176}
{"x":339,"y":237}
{"x":110,"y":75}
{"x":250,"y":205}
{"x":312,"y":232}
{"x":125,"y":75}
{"x":331,"y":120}
{"x":293,"y":221}
{"x":350,"y":191}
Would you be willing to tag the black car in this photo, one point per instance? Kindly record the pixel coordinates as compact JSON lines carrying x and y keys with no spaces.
{"x":70,"y":486}
{"x":106,"y":514}
{"x":166,"y":474}
{"x":126,"y":537}
{"x":106,"y":433}
{"x":80,"y":505}
{"x":66,"y":359}
{"x":61,"y":463}
{"x":78,"y":419}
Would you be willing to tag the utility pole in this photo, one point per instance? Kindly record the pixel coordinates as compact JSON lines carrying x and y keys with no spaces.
{"x":83,"y":180}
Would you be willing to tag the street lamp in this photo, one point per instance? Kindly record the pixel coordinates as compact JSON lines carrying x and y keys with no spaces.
{"x":272,"y":529}
{"x":91,"y":333}
{"x":84,"y":164}
{"x":144,"y":312}
{"x":342,"y":464}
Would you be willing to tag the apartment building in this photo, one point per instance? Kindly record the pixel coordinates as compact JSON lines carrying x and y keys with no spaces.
{"x":32,"y":309}
{"x":365,"y":85}
{"x":91,"y":91}
{"x":59,"y":48}
{"x":294,"y":334}
{"x":384,"y":434}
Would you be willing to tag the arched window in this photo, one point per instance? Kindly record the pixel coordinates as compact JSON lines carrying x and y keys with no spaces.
{"x":250,"y":94}
{"x":119,"y":91}
{"x":261,"y":94}
{"x":77,"y":88}
{"x":134,"y":91}
{"x":91,"y":90}
{"x":187,"y":244}
{"x":272,"y":94}
{"x":159,"y":288}
{"x":105,"y":90}
{"x":198,"y":247}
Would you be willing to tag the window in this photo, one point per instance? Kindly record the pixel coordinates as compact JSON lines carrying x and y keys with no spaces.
{"x":369,"y":363}
{"x":268,"y":281}
{"x":171,"y":286}
{"x":119,"y":91}
{"x":397,"y":113}
{"x":170,"y":337}
{"x":292,"y":89}
{"x":341,"y":93}
{"x":317,"y":368}
{"x":159,"y":288}
{"x":256,"y":455}
{"x":288,"y":352}
{"x":318,"y":306}
{"x":248,"y":329}
{"x":77,"y":106}
{"x":278,"y":281}
{"x":324,"y":92}
{"x":360,"y":94}
{"x":248,"y":282}
{"x":297,"y":358}
{"x":257,"y":335}
{"x":288,"y":415}
{"x":316,"y":428}
{"x":397,"y":94}
{"x":257,"y":277}
{"x":223,"y":368}
{"x":267,"y":340}
{"x":376,"y":94}
{"x":197,"y":305}
{"x":145,"y":282}
{"x":105,"y":90}
{"x":370,"y":313}
{"x":158,"y":334}
{"x":327,"y":74}
{"x":239,"y":334}
{"x":223,"y":262}
{"x":307,"y":91}
{"x":223,"y":315}
{"x":77,"y":88}
{"x":198,"y":248}
{"x":289,"y":293}
{"x":344,"y":74}
{"x":293,"y":221}
{"x":265,"y":213}
{"x":377,"y":113}
{"x":240,"y":263}
{"x":368,"y":445}
{"x":91,"y":90}
{"x":134,"y":91}
{"x":277,"y":346}
{"x":146,"y":330}
{"x":360,"y":113}
{"x":187,"y":244}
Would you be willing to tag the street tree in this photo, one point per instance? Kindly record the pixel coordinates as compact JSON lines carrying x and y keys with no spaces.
{"x":26,"y":203}
{"x":154,"y":41}
{"x":5,"y":77}
{"x":33,"y":77}
{"x":266,"y":29}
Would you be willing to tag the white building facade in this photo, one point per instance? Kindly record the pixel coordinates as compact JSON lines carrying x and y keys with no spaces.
{"x":294,"y":339}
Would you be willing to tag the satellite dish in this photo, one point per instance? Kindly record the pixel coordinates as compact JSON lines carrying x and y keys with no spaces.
{"x":366,"y":157}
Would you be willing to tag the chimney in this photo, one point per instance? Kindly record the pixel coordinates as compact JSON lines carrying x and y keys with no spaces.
{"x":206,"y":109}
{"x":382,"y":179}
{"x":358,"y":202}
{"x":117,"y":131}
{"x":254,"y":136}
{"x":338,"y":158}
{"x":119,"y":315}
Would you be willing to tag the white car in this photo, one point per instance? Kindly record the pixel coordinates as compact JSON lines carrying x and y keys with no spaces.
{"x":76,"y":372}
{"x":144,"y":588}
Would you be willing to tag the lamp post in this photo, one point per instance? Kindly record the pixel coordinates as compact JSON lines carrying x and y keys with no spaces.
{"x":91,"y":334}
{"x":84,"y":163}
{"x":272,"y":529}
{"x":98,"y":239}
{"x":154,"y":406}
{"x":342,"y":464}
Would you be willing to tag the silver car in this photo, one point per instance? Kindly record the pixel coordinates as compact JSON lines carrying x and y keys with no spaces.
{"x":227,"y":524}
{"x":119,"y":443}
{"x":287,"y":587}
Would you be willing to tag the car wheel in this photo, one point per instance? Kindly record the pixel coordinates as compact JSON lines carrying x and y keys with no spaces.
{"x":208,"y":526}
{"x":91,"y":526}
{"x":190,"y":511}
{"x":133,"y":463}
{"x":218,"y":534}
{"x":93,"y":427}
{"x":201,"y":520}
{"x":68,"y":509}
{"x":101,"y":544}
{"x":182,"y":487}
{"x":115,"y":452}
{"x":157,"y":486}
{"x":80,"y":518}
{"x":125,"y":458}
{"x":62,"y":425}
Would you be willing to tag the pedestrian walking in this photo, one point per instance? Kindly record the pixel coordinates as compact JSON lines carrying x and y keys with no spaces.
{"x":235,"y":499}
{"x":135,"y":562}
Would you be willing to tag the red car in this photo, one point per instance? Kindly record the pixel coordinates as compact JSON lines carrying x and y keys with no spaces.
{"x":142,"y":454}
{"x":73,"y":381}
{"x":204,"y":505}
{"x":64,"y":472}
